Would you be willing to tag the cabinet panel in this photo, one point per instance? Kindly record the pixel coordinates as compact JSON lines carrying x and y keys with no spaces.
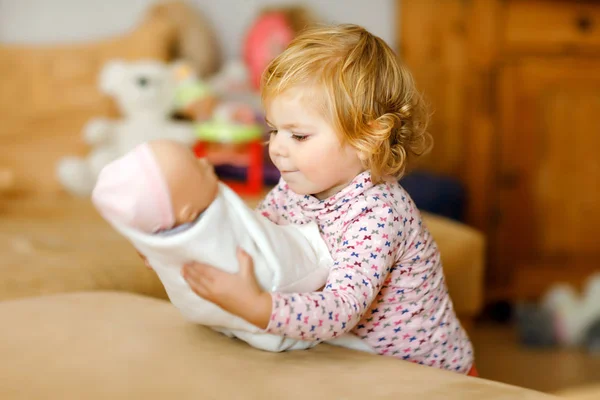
{"x":521,"y":79}
{"x":433,"y":44}
{"x":542,"y":25}
{"x":548,"y":169}
{"x":567,"y":181}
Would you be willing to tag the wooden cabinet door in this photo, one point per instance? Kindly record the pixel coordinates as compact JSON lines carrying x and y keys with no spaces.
{"x":547,"y":174}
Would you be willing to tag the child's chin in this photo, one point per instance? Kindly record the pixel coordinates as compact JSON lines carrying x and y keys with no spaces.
{"x":298,"y":189}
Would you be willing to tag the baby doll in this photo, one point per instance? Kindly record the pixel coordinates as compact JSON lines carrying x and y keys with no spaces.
{"x":173,"y":209}
{"x":157,"y":188}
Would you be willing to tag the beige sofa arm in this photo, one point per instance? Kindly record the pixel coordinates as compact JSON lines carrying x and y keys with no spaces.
{"x":463,"y":255}
{"x":62,"y":245}
{"x":123,"y":346}
{"x":590,"y":391}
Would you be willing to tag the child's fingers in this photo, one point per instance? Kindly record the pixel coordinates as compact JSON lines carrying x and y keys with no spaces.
{"x":201,"y":271}
{"x":195,"y":272}
{"x":199,"y":288}
{"x":246,"y":264}
{"x":197,"y":281}
{"x":241,"y":254}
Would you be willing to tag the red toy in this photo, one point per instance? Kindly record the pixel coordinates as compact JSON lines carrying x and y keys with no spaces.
{"x":248,"y":155}
{"x":267,"y":38}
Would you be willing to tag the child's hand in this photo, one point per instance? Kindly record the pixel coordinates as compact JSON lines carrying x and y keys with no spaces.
{"x":239,"y":294}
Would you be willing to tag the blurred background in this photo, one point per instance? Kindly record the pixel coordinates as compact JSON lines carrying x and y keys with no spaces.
{"x":36,"y":21}
{"x":514,"y":88}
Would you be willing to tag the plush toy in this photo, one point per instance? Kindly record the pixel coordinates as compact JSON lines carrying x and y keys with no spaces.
{"x":574,"y":314}
{"x":145,"y":93}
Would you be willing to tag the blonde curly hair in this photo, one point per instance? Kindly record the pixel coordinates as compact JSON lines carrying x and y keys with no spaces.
{"x":369,"y":97}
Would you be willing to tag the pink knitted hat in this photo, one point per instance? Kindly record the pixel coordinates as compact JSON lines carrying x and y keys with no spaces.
{"x":132,"y":191}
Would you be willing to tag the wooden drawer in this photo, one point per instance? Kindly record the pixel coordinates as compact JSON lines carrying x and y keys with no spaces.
{"x":552,"y":25}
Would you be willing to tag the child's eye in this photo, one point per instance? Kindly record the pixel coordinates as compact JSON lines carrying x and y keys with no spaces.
{"x":299,"y":138}
{"x":273,"y":132}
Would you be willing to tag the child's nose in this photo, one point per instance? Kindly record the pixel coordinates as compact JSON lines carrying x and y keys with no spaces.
{"x":277,"y":146}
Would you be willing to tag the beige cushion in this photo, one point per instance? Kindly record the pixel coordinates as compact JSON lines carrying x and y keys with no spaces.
{"x":60,"y":245}
{"x":584,"y":392}
{"x":125,"y":346}
{"x":463,"y":255}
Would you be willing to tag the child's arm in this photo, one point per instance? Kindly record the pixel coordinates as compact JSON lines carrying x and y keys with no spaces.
{"x":361,"y":266}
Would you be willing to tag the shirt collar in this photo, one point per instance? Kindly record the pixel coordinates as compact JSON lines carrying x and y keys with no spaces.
{"x":356,"y":187}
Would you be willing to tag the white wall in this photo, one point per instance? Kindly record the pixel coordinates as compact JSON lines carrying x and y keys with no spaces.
{"x":53,"y":21}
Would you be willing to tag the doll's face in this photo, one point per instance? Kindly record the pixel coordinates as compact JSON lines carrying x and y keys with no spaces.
{"x":192,"y":182}
{"x":195,"y":191}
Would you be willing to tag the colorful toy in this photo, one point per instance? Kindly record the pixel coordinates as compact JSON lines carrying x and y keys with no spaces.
{"x":194,"y":99}
{"x":270,"y":34}
{"x":248,"y":155}
{"x":227,"y":132}
{"x":201,"y":101}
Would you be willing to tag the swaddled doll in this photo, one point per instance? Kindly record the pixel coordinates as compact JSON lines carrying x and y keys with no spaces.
{"x":173,"y":209}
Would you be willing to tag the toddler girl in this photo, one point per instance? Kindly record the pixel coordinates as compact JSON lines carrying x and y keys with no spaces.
{"x":346,"y":120}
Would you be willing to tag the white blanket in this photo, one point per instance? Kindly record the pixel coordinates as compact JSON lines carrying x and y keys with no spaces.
{"x":287,"y":258}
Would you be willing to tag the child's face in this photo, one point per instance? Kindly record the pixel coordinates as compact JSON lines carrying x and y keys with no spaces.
{"x":306,"y":148}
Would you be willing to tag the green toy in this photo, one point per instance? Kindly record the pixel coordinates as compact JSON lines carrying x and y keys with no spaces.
{"x":227,"y":132}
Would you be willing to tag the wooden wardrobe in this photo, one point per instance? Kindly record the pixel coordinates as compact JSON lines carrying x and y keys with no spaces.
{"x":515,"y":90}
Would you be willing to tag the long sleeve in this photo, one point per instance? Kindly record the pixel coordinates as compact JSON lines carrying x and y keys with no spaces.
{"x":272,"y":206}
{"x":362,"y":261}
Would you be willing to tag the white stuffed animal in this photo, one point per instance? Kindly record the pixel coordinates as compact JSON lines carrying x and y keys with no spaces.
{"x":573,"y":313}
{"x":145,"y":92}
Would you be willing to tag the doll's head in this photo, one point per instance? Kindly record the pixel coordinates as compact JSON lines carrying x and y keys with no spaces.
{"x":156,"y":186}
{"x":355,"y":81}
